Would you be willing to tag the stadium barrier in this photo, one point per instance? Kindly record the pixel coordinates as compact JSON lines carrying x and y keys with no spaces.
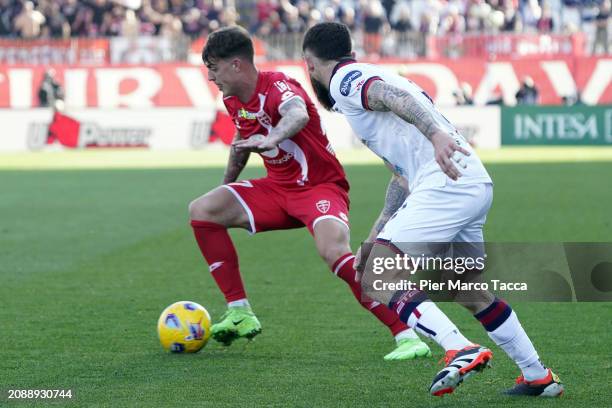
{"x":288,"y":46}
{"x":159,"y":129}
{"x":557,"y":125}
{"x":188,"y":128}
{"x":54,"y":51}
{"x":506,"y":45}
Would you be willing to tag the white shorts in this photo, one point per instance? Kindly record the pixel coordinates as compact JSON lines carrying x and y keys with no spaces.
{"x":450,"y":214}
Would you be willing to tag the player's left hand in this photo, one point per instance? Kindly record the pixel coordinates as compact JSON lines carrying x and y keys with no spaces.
{"x":448,"y":153}
{"x":255,"y":143}
{"x":361,"y":258}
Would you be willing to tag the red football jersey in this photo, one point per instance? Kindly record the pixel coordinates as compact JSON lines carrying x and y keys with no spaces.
{"x":304,"y":159}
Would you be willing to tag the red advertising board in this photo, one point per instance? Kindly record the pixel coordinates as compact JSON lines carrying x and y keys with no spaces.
{"x":184,"y":85}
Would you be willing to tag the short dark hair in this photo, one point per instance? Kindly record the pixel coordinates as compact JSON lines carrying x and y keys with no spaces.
{"x":328,"y":41}
{"x":228,"y":42}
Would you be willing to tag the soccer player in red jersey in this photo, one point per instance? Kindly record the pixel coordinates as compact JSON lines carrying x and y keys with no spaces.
{"x":305,"y":186}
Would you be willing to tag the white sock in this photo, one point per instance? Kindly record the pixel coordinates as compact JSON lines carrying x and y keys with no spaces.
{"x":239,"y":303}
{"x":511,"y":337}
{"x":434,"y":324}
{"x":453,"y":340}
{"x":406,"y":334}
{"x":534,"y":371}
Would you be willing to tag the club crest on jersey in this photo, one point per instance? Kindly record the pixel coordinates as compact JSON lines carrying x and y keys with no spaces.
{"x":345,"y":84}
{"x":323,"y":206}
{"x":264,"y":119}
{"x":245,"y":114}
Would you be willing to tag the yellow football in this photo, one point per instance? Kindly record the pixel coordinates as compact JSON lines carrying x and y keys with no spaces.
{"x":184,"y":327}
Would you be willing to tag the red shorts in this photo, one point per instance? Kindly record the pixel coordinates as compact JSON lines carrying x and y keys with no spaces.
{"x":273,"y":207}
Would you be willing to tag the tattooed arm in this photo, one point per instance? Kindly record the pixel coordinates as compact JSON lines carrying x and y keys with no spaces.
{"x":385,"y":97}
{"x":294,"y":118}
{"x":397,"y":192}
{"x":236,"y":162}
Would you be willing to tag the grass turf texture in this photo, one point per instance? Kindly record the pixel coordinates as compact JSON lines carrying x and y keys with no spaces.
{"x":216,"y":156}
{"x":88,"y":259}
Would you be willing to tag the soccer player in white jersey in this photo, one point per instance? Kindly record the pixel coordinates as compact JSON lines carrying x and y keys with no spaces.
{"x":398,"y":121}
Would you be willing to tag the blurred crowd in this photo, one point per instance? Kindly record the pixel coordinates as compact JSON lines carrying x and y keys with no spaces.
{"x":107,"y":18}
{"x":194,"y":18}
{"x":431,"y":16}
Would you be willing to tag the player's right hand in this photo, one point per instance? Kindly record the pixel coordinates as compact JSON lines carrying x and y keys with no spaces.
{"x":448,"y":153}
{"x":256,"y":143}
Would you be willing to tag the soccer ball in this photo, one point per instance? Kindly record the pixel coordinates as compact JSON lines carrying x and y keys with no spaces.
{"x":184,"y":327}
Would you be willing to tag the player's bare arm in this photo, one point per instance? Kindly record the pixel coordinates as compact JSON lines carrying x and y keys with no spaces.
{"x":236,"y":163}
{"x":294,"y":118}
{"x":397,"y":192}
{"x":385,"y":97}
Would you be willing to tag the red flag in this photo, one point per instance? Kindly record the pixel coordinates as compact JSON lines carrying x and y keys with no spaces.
{"x":65,"y":130}
{"x":222,"y":129}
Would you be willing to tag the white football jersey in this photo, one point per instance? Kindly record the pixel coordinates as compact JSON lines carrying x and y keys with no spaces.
{"x":400,"y":144}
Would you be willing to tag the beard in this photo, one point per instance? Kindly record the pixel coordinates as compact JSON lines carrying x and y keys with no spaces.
{"x":322,"y":94}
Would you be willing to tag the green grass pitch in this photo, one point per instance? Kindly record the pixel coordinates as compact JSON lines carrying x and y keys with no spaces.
{"x":88,"y":260}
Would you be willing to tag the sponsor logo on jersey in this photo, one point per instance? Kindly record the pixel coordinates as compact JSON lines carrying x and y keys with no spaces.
{"x":323,"y":206}
{"x":245,"y":114}
{"x":345,"y":84}
{"x":281,"y":160}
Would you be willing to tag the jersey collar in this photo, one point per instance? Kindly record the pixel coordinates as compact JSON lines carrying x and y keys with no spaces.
{"x":341,"y":63}
{"x":255,"y":94}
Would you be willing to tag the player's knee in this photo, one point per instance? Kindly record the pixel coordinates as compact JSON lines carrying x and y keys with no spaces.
{"x":194,"y":210}
{"x":201,"y":209}
{"x":332,"y":253}
{"x":475,"y":300}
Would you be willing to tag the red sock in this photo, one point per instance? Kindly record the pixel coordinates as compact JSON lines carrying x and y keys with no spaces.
{"x":218,"y":250}
{"x":343,"y":268}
